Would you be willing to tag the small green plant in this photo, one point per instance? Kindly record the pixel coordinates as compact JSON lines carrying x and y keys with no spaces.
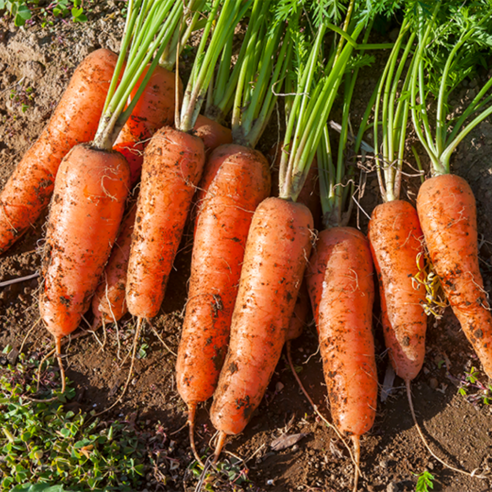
{"x":23,"y":97}
{"x":42,"y":443}
{"x":24,"y":11}
{"x":229,"y":475}
{"x":473,"y":389}
{"x":425,"y":482}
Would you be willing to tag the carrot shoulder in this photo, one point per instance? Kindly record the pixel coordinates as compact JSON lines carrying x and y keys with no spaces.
{"x":74,"y":121}
{"x":396,"y":241}
{"x":173,"y":164}
{"x":278,"y":245}
{"x":447,"y":213}
{"x":85,"y":214}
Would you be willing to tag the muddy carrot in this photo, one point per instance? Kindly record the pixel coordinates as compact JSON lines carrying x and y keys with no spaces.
{"x":75,"y":120}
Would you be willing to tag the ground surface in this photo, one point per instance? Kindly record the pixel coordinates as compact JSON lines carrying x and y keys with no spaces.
{"x":392,"y":454}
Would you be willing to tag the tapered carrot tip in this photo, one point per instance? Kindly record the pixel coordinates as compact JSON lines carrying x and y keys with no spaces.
{"x":191,"y":423}
{"x":60,"y":363}
{"x":220,"y":444}
{"x":356,"y":441}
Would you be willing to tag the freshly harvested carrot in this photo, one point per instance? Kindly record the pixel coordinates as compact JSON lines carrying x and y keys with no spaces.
{"x":88,"y":203}
{"x":108,"y":303}
{"x":341,"y":286}
{"x":278,"y":245}
{"x":218,"y":252}
{"x":447,"y":213}
{"x":396,"y":245}
{"x":154,"y":110}
{"x":74,"y":121}
{"x":173,"y":164}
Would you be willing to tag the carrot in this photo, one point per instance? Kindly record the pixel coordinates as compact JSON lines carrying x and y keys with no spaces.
{"x":108,"y":303}
{"x":445,"y":203}
{"x":173,"y":163}
{"x":85,"y":214}
{"x":154,"y":110}
{"x":278,"y":245}
{"x":394,"y":230}
{"x":341,"y":287}
{"x":447,"y":212}
{"x":87,"y":207}
{"x":396,"y":246}
{"x":74,"y":121}
{"x":216,"y":267}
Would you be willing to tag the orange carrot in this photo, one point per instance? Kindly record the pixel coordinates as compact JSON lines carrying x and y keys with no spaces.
{"x":85,"y":214}
{"x":447,"y":213}
{"x":74,"y":121}
{"x":396,"y":243}
{"x":173,"y":163}
{"x":154,"y":110}
{"x":241,"y":183}
{"x":341,"y":287}
{"x":108,"y":303}
{"x":278,"y":245}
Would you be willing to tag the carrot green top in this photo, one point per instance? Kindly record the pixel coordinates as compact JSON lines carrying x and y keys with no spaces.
{"x":451,"y":40}
{"x":150,"y":26}
{"x":267,"y":51}
{"x":221,"y":22}
{"x":316,"y":89}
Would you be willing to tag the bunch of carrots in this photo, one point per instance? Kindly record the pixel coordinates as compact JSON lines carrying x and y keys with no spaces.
{"x":257,"y":260}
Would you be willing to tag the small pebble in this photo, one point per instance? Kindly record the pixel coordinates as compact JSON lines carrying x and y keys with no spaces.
{"x":433,"y":383}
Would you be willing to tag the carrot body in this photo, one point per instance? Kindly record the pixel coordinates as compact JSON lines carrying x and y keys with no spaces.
{"x":108,"y":303}
{"x":341,"y":287}
{"x":278,"y":245}
{"x":396,"y":239}
{"x":300,"y":315}
{"x":447,"y":213}
{"x":240,"y":184}
{"x":212,"y":133}
{"x":154,"y":110}
{"x":86,"y":211}
{"x":173,"y":164}
{"x":74,"y":121}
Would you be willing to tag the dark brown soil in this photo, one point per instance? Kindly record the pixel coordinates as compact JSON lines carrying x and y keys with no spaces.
{"x":392,"y":453}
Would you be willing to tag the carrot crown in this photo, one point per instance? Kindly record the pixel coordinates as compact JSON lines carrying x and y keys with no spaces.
{"x":149,"y":28}
{"x":223,"y":17}
{"x":451,"y":40}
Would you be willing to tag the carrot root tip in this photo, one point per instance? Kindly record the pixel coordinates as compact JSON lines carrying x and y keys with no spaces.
{"x":218,"y":448}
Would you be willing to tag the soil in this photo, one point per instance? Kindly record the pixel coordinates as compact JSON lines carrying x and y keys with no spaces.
{"x":35,"y":67}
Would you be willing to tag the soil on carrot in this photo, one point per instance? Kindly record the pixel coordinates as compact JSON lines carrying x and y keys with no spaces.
{"x":35,"y":66}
